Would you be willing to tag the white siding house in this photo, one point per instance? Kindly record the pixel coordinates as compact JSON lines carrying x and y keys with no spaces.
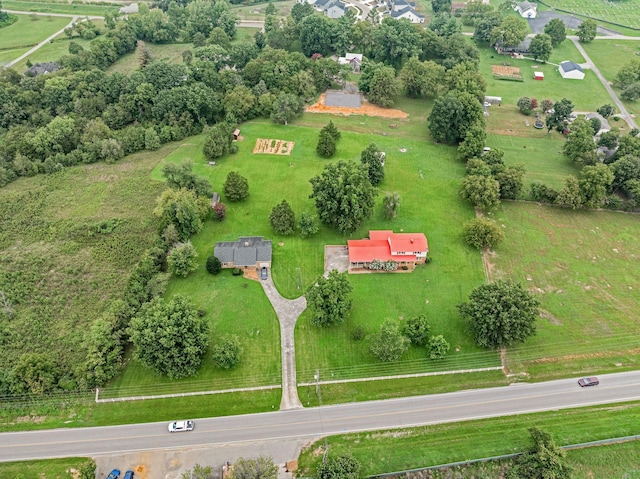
{"x":571,"y":70}
{"x":526,"y":9}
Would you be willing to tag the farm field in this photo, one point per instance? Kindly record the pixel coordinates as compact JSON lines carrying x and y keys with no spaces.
{"x":587,"y":94}
{"x":583,"y":267}
{"x":398,"y":450}
{"x":610,"y":56}
{"x":26,"y":33}
{"x":626,"y":13}
{"x":47,"y":6}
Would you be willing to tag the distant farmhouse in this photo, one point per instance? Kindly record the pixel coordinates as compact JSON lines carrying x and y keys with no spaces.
{"x":248,"y":252}
{"x":405,"y":249}
{"x":42,"y":69}
{"x":403,"y":9}
{"x":331,"y":8}
{"x":526,"y":9}
{"x":571,"y":70}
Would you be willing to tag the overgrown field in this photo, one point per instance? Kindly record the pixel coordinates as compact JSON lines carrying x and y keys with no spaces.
{"x":584,"y":268}
{"x":58,"y":272}
{"x":401,"y":449}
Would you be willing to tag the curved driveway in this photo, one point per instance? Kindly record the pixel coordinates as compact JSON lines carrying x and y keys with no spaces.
{"x":317,"y":422}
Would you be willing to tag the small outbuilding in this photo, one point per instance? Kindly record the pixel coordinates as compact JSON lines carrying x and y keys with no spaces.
{"x":571,"y":70}
{"x":236,"y":134}
{"x":538,"y":76}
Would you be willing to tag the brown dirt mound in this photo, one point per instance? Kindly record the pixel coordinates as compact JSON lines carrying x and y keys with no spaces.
{"x":365,"y":109}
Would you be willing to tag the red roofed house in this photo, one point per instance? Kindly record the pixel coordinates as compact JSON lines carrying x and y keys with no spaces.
{"x":406,"y":249}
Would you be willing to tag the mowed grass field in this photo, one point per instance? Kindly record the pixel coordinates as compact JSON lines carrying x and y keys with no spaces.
{"x":401,"y":449}
{"x":610,"y":56}
{"x":586,"y":95}
{"x":20,"y":36}
{"x":625,"y":12}
{"x":47,"y":6}
{"x":583,"y":266}
{"x":54,"y":50}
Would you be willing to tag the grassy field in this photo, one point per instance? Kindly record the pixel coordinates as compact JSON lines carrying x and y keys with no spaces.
{"x":397,"y":450}
{"x":59,"y":276}
{"x":625,"y":13}
{"x":48,"y":469}
{"x":610,"y":56}
{"x":53,"y":51}
{"x":26,"y":33}
{"x":49,"y":6}
{"x":579,"y":265}
{"x":256,"y":12}
{"x":586,"y":95}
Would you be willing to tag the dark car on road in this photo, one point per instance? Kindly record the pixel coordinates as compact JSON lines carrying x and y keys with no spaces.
{"x":128,"y":474}
{"x":584,"y":382}
{"x":115,"y":474}
{"x":263,"y":273}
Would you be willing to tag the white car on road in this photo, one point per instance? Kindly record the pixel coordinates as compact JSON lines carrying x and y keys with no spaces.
{"x":179,"y":426}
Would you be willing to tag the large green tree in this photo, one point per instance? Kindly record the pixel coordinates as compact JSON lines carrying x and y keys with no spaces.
{"x":169,"y":337}
{"x":595,"y":182}
{"x":329,"y":299}
{"x":500,"y":314}
{"x":180,"y":209}
{"x":511,"y":31}
{"x":483,"y":233}
{"x":421,"y":79}
{"x":570,"y":195}
{"x":388,"y":344}
{"x":417,"y":329}
{"x":587,"y":30}
{"x":227,"y":351}
{"x":371,"y":156}
{"x":541,"y":47}
{"x":286,"y":107}
{"x":282,"y":218}
{"x":181,"y":175}
{"x":556,"y":30}
{"x":580,"y":147}
{"x":182,"y":259}
{"x":315,"y":35}
{"x":453,"y":115}
{"x":482,"y":191}
{"x":344,"y":195}
{"x":339,"y":466}
{"x":544,"y":459}
{"x":383,"y":87}
{"x":559,"y":118}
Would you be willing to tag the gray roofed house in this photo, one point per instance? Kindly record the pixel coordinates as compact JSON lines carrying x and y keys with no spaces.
{"x":247,"y":252}
{"x":569,"y":69}
{"x":526,"y":9}
{"x":409,"y":13}
{"x":521,"y":48}
{"x":42,"y":69}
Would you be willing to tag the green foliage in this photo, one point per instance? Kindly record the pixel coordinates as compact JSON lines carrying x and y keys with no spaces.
{"x":541,"y":47}
{"x":559,"y":119}
{"x":417,"y":330}
{"x":236,"y":187}
{"x":383,"y":87}
{"x":473,"y":143}
{"x":438,"y":347}
{"x":308,"y":224}
{"x":524,"y":105}
{"x":587,"y":30}
{"x":339,"y":466}
{"x":453,"y":115}
{"x":326,"y":145}
{"x":500,"y":314}
{"x":389,"y":343}
{"x":390,"y":204}
{"x":372,"y":157}
{"x":482,"y":191}
{"x":580,"y":146}
{"x":628,"y":75}
{"x":594,"y":184}
{"x":330,"y":299}
{"x":556,"y":30}
{"x":343,"y":195}
{"x":596,"y":124}
{"x":169,"y":337}
{"x":631,"y":93}
{"x":570,"y":195}
{"x":261,"y":467}
{"x":218,"y":141}
{"x":286,"y":107}
{"x":227,"y":351}
{"x":34,"y":374}
{"x":483,"y":233}
{"x":441,"y":6}
{"x":105,"y":347}
{"x":198,"y":472}
{"x":511,"y":31}
{"x":510,"y":181}
{"x":179,"y":208}
{"x":543,"y":460}
{"x":213,"y":265}
{"x":606,"y":110}
{"x":421,"y":79}
{"x":624,"y":170}
{"x":543,"y":193}
{"x":283,"y":219}
{"x":180,"y":175}
{"x":182,"y":259}
{"x":315,"y":35}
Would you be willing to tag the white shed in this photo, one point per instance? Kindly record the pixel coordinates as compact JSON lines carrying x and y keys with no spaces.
{"x":572,"y":70}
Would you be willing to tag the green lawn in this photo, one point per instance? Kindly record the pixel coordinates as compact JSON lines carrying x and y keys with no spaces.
{"x":256,"y":12}
{"x":581,"y":265}
{"x":49,"y":6}
{"x":46,"y":469}
{"x":609,"y":56}
{"x":626,"y":13}
{"x":52,"y":51}
{"x":20,"y":36}
{"x":397,"y":450}
{"x":586,"y":95}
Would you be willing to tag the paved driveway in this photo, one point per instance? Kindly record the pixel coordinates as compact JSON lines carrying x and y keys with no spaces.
{"x":537,"y":24}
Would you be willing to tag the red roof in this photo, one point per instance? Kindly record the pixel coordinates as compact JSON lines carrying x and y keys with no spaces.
{"x":383,"y":243}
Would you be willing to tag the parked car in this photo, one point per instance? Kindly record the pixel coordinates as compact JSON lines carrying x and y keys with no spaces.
{"x":115,"y":474}
{"x":263,"y":273}
{"x":179,"y":426}
{"x":128,"y":474}
{"x":585,"y":382}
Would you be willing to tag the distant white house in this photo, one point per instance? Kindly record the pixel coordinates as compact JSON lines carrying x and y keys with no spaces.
{"x":571,"y":70}
{"x":131,"y":8}
{"x":352,"y":59}
{"x":526,"y":9}
{"x":331,"y":8}
{"x":310,"y":2}
{"x":409,"y":13}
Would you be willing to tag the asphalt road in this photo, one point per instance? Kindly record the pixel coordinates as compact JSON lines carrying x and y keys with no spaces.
{"x":317,"y":422}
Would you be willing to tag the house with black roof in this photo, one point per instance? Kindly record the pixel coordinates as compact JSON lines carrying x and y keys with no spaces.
{"x":247,"y":253}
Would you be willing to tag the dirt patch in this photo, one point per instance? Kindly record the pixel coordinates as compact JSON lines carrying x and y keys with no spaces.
{"x":504,"y":70}
{"x":549,"y":317}
{"x":365,"y":109}
{"x":273,"y":147}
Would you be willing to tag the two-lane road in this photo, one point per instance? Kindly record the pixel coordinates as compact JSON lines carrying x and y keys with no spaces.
{"x":317,"y":422}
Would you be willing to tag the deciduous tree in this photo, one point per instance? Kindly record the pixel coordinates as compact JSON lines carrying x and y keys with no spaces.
{"x":541,"y":47}
{"x":282,"y":218}
{"x":169,"y":337}
{"x":286,"y":107}
{"x":383,"y":87}
{"x":595,"y":181}
{"x":388,"y":344}
{"x":587,"y":30}
{"x":182,"y":259}
{"x":438,"y":347}
{"x":473,"y":144}
{"x":179,"y":208}
{"x":339,"y":466}
{"x":500,"y":314}
{"x":482,"y":191}
{"x":453,"y":115}
{"x":390,"y":204}
{"x":417,"y":330}
{"x":511,"y":31}
{"x":236,"y":187}
{"x":181,"y":175}
{"x":543,"y":460}
{"x":227,"y":351}
{"x":308,"y":224}
{"x":580,"y":146}
{"x":330,"y":299}
{"x":483,"y":233}
{"x":570,"y":196}
{"x":261,"y":467}
{"x":556,"y":30}
{"x":343,"y":195}
{"x":559,"y":118}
